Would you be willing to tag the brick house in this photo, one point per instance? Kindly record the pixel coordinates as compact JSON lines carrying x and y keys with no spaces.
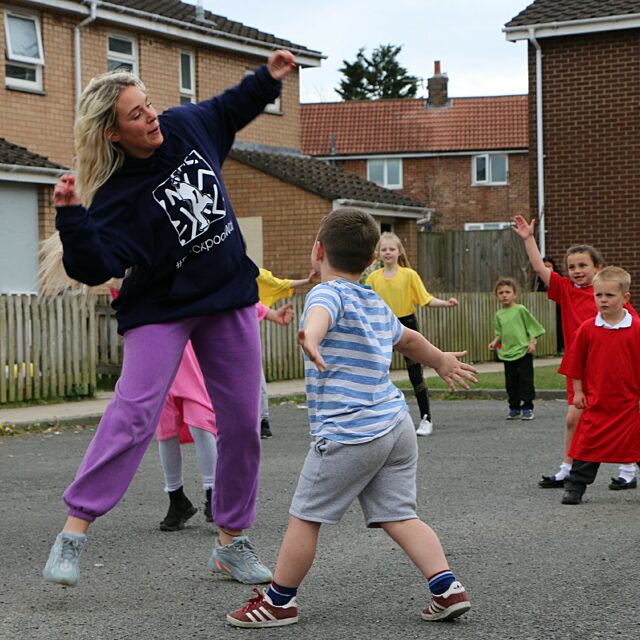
{"x":585,"y":136}
{"x":182,"y":53}
{"x":466,"y":158}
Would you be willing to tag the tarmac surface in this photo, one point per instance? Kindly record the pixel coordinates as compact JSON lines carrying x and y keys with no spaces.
{"x":533,"y":567}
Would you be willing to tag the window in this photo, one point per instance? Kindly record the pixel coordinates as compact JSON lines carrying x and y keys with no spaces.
{"x":385,"y":172}
{"x":24,"y":53}
{"x":274,"y":107}
{"x":187,"y":77}
{"x":122,"y":53}
{"x":490,"y":169}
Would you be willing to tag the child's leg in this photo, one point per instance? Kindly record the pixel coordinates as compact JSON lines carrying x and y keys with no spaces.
{"x":575,"y":484}
{"x":206,"y":454}
{"x":297,"y":552}
{"x":526,"y":388}
{"x":171,"y":463}
{"x":420,"y":542}
{"x":511,"y":384}
{"x":420,"y":390}
{"x":572,"y":419}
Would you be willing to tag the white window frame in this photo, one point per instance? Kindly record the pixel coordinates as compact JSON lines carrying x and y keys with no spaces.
{"x":275,"y":107}
{"x":189,"y":93}
{"x":116,"y":56}
{"x":17,"y":60}
{"x":488,"y":181}
{"x":385,"y":182}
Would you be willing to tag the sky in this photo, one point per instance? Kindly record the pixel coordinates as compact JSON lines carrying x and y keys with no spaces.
{"x":465,"y":35}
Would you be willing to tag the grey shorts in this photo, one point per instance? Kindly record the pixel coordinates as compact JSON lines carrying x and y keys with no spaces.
{"x":381,"y":473}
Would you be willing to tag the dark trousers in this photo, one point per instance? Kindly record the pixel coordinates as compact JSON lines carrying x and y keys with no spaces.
{"x":518,"y":378}
{"x":415,"y":373}
{"x":582,"y":473}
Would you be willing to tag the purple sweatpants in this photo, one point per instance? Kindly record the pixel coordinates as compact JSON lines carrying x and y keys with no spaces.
{"x":227,"y":346}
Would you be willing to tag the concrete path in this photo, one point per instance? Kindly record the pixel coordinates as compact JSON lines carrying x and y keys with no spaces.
{"x":90,"y":411}
{"x":535,"y":569}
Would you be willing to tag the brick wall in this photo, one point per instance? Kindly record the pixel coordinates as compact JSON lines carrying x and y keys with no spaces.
{"x":444,"y":184}
{"x":591,"y":93}
{"x":290,"y":216}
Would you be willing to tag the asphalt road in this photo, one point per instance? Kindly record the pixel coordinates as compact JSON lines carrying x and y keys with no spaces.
{"x":534,"y":568}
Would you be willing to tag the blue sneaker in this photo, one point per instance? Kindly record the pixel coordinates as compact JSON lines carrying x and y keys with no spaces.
{"x":513,"y":414}
{"x":527,"y":414}
{"x":239,"y":561}
{"x":62,"y":565}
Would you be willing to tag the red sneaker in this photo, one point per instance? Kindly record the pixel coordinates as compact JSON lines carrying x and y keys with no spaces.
{"x":261,"y":612}
{"x":452,"y":603}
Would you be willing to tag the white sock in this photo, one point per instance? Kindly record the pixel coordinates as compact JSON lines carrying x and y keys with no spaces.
{"x":565,"y":469}
{"x":627,"y":472}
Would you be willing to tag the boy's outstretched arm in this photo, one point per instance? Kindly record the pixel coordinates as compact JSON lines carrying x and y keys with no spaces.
{"x":317,"y":322}
{"x":446,"y":364}
{"x":525,"y":230}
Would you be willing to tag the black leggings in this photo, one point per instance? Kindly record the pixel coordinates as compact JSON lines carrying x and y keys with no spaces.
{"x":415,"y":373}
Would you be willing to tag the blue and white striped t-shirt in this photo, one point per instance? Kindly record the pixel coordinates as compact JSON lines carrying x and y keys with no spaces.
{"x":353,"y":400}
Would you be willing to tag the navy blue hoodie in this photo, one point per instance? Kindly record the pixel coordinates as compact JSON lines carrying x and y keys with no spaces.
{"x":166,"y":221}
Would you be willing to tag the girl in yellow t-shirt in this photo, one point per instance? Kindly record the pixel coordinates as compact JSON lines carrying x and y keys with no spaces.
{"x":402,"y":288}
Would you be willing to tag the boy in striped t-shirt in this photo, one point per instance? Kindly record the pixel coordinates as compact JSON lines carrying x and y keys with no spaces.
{"x":364,"y":440}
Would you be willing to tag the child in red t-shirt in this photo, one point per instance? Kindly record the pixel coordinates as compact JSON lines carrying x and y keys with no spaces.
{"x":603,"y":362}
{"x":575,"y":296}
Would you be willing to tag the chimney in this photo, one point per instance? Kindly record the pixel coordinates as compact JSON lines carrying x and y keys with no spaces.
{"x":437,"y":87}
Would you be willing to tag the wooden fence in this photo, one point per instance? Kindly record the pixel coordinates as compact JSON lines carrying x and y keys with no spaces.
{"x":471,"y":261}
{"x":56,"y":347}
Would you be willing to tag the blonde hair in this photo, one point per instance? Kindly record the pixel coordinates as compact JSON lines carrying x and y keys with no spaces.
{"x":97,"y":158}
{"x":403,"y":261}
{"x":615,"y":274}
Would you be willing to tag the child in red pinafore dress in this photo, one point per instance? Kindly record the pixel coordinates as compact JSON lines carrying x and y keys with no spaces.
{"x":604,"y":363}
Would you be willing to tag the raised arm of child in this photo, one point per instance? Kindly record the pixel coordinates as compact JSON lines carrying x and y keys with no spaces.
{"x":446,"y":364}
{"x":525,"y":230}
{"x":317,"y":323}
{"x":579,"y":399}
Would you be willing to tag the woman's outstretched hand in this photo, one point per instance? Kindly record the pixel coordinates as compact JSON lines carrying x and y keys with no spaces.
{"x":280,"y":63}
{"x":64,"y":193}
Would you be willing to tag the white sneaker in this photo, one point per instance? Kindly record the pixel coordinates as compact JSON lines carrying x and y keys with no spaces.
{"x":425,"y":428}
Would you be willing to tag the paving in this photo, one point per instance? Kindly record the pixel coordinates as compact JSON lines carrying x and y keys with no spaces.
{"x":535,"y":569}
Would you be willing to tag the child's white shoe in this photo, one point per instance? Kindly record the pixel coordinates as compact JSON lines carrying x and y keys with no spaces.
{"x":425,"y":428}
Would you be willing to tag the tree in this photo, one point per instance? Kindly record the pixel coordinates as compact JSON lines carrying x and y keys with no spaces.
{"x":380,"y":76}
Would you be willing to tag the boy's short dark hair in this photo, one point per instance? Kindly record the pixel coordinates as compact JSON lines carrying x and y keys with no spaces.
{"x":505,"y":282}
{"x":592,"y":252}
{"x":349,"y":237}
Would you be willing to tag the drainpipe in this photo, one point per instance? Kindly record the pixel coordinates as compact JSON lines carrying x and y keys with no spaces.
{"x":76,"y":48}
{"x":540,"y":143}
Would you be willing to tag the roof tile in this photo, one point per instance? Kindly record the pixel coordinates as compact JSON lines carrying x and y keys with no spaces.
{"x":21,"y":156}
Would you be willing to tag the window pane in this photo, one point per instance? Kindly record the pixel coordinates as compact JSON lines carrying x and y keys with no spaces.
{"x":185,"y":71}
{"x":393,"y":172}
{"x":118,"y":45}
{"x":376,"y":171}
{"x":498,"y":168}
{"x":118,"y":64}
{"x":21,"y":72}
{"x":481,"y":168}
{"x":24,"y":38}
{"x":185,"y":99}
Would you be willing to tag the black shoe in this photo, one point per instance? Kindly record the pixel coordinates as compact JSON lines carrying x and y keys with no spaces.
{"x":572,"y":496}
{"x":550,"y":482}
{"x":180,"y":510}
{"x":619,"y":484}
{"x":207,"y":507}
{"x":265,"y":429}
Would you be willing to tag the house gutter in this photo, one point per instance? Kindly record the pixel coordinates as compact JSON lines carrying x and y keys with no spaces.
{"x":22,"y":173}
{"x":77,"y":48}
{"x":396,"y":210}
{"x":539,"y":142}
